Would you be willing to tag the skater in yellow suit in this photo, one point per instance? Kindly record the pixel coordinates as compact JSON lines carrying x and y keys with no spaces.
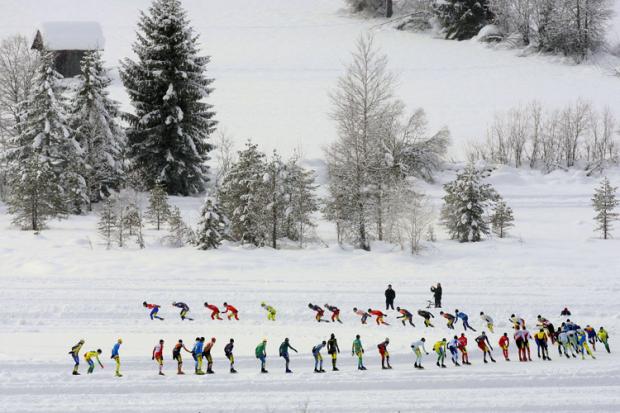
{"x":89,"y":356}
{"x":271,"y":312}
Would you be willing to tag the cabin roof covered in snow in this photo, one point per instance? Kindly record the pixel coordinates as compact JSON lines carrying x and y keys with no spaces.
{"x":69,"y":35}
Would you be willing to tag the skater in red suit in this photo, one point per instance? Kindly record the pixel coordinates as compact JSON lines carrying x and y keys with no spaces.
{"x":215,"y":312}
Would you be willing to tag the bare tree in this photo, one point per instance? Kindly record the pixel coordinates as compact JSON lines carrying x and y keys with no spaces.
{"x":361,"y":100}
{"x":224,"y":156}
{"x":18,"y":64}
{"x":574,"y":126}
{"x":376,"y":150}
{"x":417,"y":221}
{"x":536,"y":117}
{"x":577,"y":134}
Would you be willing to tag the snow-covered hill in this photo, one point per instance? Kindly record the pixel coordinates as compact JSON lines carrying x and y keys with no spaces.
{"x":274,"y":63}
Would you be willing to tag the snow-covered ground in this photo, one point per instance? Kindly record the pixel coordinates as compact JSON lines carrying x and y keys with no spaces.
{"x":274,"y":63}
{"x":63,"y":285}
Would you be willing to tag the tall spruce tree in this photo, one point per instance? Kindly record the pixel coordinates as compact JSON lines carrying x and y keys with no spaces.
{"x":243,"y":197}
{"x":212,"y":226}
{"x":94,"y":122}
{"x":465,"y":202}
{"x":604,"y":202}
{"x":45,"y":149}
{"x":169,"y":131}
{"x":462,"y":19}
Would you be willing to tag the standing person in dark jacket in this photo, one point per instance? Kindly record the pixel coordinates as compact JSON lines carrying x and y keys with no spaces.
{"x":390,"y":295}
{"x":333,"y":350}
{"x":437,"y":291}
{"x":284,"y":347}
{"x":228,"y":352}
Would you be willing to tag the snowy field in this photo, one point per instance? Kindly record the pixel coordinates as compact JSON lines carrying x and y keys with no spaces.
{"x":273,"y":67}
{"x":63,"y":285}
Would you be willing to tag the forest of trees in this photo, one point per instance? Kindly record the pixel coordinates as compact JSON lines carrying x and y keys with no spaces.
{"x":531,"y":136}
{"x":70,"y":150}
{"x":574,"y":28}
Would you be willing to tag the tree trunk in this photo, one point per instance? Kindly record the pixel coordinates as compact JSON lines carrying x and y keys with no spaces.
{"x":388,"y":8}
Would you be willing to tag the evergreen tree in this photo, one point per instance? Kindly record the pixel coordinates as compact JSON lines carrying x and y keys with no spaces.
{"x":45,"y":148}
{"x":464,"y":205}
{"x":243,"y":197}
{"x":169,"y":132}
{"x":462,"y":19}
{"x":93,"y":120}
{"x":108,"y":221}
{"x":604,"y":202}
{"x":36,"y":195}
{"x":179,"y":233}
{"x":212,"y":226}
{"x":502,"y":218}
{"x":159,"y":209}
{"x":301,"y":200}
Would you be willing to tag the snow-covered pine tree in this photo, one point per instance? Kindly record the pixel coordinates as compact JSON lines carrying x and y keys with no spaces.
{"x":179,"y":233}
{"x":212,"y":226}
{"x":45,"y":142}
{"x":275,"y":175}
{"x":243,"y":197}
{"x":159,"y":209}
{"x":108,"y":221}
{"x":462,"y":19}
{"x":501,"y":218}
{"x":36,"y":194}
{"x":301,"y":200}
{"x":169,"y":132}
{"x":604,"y":202}
{"x":94,"y":122}
{"x":464,"y":206}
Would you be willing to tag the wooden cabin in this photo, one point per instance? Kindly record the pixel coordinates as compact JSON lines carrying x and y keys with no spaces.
{"x":69,"y":41}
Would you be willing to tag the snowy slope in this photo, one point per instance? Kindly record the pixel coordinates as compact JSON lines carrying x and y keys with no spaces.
{"x":274,"y":63}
